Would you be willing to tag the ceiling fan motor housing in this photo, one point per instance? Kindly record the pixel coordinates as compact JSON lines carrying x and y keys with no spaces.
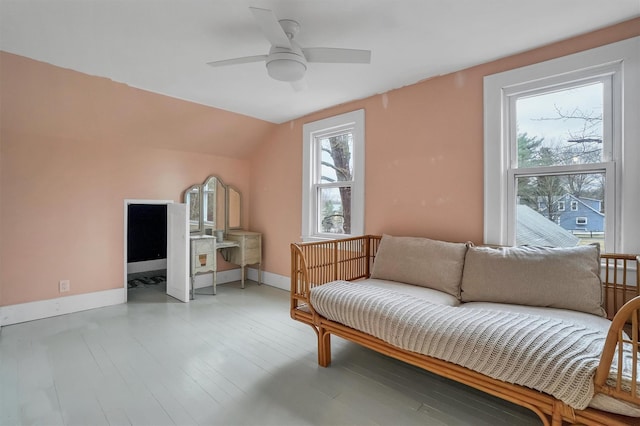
{"x":290,"y":27}
{"x":286,"y":64}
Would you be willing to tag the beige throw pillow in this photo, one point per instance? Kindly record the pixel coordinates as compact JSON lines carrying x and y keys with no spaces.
{"x":567,"y":277}
{"x":420,"y":261}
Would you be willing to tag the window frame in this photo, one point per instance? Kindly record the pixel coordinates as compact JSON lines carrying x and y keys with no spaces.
{"x":621,"y":61}
{"x":354,"y":121}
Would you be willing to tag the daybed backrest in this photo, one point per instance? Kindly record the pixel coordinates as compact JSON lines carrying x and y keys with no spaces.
{"x":354,"y":258}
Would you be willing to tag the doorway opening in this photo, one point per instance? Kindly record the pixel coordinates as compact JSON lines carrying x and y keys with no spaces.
{"x":145,"y":249}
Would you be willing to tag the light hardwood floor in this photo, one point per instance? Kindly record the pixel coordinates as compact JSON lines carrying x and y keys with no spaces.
{"x":231,"y":359}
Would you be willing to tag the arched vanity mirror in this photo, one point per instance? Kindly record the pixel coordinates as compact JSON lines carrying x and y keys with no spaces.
{"x":213,"y":206}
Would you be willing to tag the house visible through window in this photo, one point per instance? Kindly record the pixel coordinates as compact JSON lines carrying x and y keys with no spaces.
{"x":553,"y":134}
{"x":562,"y":138}
{"x":333,"y":177}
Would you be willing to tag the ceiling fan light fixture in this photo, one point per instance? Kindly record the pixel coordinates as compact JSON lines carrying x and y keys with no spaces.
{"x":286,"y":69}
{"x":286,"y":64}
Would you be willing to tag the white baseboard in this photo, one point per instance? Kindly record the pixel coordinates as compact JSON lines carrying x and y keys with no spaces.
{"x":14,"y":314}
{"x":269,"y":278}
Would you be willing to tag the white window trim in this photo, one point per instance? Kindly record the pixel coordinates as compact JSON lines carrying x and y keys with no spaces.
{"x":626,"y":145}
{"x":354,"y":119}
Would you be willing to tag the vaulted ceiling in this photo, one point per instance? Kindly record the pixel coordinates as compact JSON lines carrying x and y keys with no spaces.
{"x":163,"y":45}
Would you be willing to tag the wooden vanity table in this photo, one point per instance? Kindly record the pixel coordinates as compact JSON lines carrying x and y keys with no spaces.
{"x":215,"y":208}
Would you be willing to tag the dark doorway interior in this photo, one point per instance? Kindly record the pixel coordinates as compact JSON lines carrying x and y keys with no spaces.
{"x":146,"y":232}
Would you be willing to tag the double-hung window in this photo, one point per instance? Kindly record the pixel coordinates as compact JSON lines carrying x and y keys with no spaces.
{"x":564,"y":130}
{"x":333,"y":177}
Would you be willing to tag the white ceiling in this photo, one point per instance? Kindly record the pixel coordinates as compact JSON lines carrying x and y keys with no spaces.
{"x":163,"y":45}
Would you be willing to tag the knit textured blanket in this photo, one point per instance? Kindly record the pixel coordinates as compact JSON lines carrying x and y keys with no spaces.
{"x":549,"y":355}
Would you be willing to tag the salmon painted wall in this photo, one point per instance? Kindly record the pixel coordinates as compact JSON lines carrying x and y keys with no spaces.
{"x":73,"y":148}
{"x":424,"y":156}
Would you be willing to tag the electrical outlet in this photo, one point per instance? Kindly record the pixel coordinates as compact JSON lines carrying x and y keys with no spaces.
{"x":65,"y":285}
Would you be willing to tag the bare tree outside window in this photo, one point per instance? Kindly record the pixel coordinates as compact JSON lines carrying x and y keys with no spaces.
{"x":336,"y":167}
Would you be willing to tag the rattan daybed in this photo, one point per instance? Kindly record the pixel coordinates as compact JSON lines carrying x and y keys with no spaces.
{"x":342,"y":268}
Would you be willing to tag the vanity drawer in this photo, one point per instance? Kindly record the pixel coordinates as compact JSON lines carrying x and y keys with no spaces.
{"x":203,"y":255}
{"x":252,"y":256}
{"x":252,"y":243}
{"x":249,"y":250}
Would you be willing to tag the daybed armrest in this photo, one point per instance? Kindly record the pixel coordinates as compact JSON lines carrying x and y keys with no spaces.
{"x":620,"y":280}
{"x":623,"y":334}
{"x":318,"y":263}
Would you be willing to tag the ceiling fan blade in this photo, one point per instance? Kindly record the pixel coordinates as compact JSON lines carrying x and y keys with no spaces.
{"x":335,"y":55}
{"x":236,"y":61}
{"x":271,"y":27}
{"x":299,"y":85}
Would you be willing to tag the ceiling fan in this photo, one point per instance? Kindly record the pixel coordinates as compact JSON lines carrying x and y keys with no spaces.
{"x":287,"y":61}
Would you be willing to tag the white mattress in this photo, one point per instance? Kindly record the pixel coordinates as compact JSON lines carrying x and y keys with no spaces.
{"x":600,"y":401}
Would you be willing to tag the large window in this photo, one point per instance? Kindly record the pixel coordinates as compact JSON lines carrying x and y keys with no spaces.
{"x":333,"y":177}
{"x":561,"y":143}
{"x":561,"y":134}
